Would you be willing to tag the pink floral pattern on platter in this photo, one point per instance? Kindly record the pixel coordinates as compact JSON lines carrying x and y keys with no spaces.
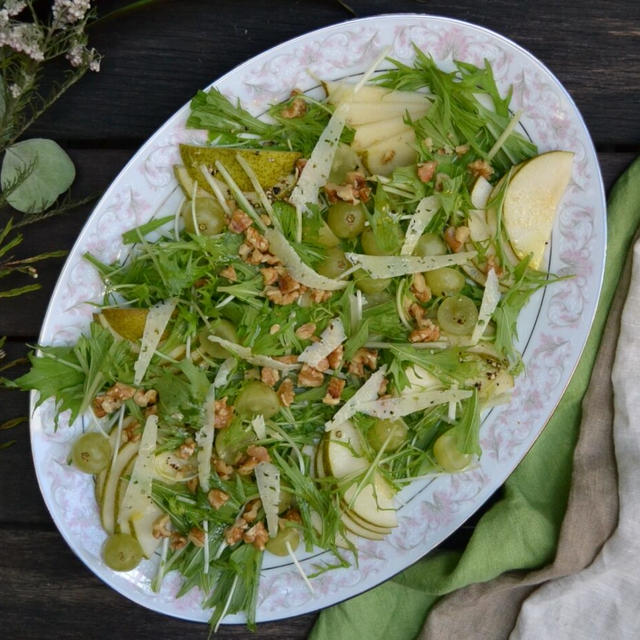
{"x":552,"y":329}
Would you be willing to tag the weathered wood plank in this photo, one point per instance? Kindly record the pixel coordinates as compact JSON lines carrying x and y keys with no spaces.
{"x":47,"y":592}
{"x":168,"y":50}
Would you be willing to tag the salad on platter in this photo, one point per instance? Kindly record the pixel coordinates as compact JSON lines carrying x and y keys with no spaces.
{"x":323,"y":320}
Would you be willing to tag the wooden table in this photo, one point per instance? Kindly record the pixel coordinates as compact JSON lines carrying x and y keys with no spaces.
{"x":154,"y":60}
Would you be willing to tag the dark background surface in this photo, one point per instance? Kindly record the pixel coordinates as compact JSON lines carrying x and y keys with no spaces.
{"x":154,"y":61}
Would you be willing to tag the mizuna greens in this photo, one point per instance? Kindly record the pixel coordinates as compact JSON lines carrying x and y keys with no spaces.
{"x":271,"y":370}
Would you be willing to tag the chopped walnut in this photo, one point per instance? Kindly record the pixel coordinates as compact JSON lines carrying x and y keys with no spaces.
{"x":244,"y":251}
{"x":493,"y":262}
{"x":186,"y":449}
{"x":250,"y":512}
{"x":145,"y":398}
{"x":429,"y":332}
{"x":177,"y":541}
{"x":151,"y":411}
{"x":223,"y":414}
{"x":269,"y":376}
{"x":130,"y":431}
{"x":196,"y":536}
{"x":112,"y":399}
{"x":322,"y":365}
{"x":305,"y":331}
{"x":239,"y":221}
{"x":310,"y":377}
{"x":256,"y":240}
{"x":335,"y":358}
{"x":257,"y":536}
{"x":455,"y":237}
{"x":285,"y":392}
{"x":334,"y":391}
{"x":382,"y":389}
{"x":292,"y":358}
{"x":273,"y":329}
{"x":233,"y":534}
{"x":259,"y":453}
{"x":275,"y":295}
{"x":255,"y":455}
{"x":461,"y":149}
{"x":192,"y":484}
{"x":479,"y":168}
{"x":217,"y":498}
{"x":440,"y":180}
{"x":301,"y":163}
{"x":270,"y":275}
{"x":292,"y":515}
{"x":420,"y":289}
{"x":224,"y":470}
{"x":320,"y":295}
{"x":359,"y":183}
{"x":229,"y":273}
{"x":296,"y":109}
{"x":361,"y":359}
{"x":287,"y":284}
{"x":426,"y":170}
{"x":417,"y":313}
{"x":160,"y":528}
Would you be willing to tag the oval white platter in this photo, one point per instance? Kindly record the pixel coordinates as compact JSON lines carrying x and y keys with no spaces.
{"x":552,"y":330}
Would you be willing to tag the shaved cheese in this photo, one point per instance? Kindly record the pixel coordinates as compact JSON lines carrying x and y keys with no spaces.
{"x":204,"y":438}
{"x":488,"y":305}
{"x":137,"y":498}
{"x":366,"y":393}
{"x":222,"y":376}
{"x":259,"y":427}
{"x":282,"y":249}
{"x":268,"y":481}
{"x":478,"y":227}
{"x":425,"y":210}
{"x":244,"y":353}
{"x":392,"y":408}
{"x":392,"y":266}
{"x":317,"y":169}
{"x":157,"y":320}
{"x":420,"y":378}
{"x":331,"y":338}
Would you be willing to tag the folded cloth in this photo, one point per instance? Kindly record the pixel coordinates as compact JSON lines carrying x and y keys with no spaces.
{"x":521,"y":530}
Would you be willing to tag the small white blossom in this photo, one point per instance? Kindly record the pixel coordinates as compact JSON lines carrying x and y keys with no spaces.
{"x":80,"y":55}
{"x":15,"y":90}
{"x":23,"y":38}
{"x":14,"y":7}
{"x":70,"y":11}
{"x":75,"y":55}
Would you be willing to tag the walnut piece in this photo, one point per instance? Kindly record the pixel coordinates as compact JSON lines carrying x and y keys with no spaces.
{"x":335,"y":358}
{"x":223,"y":414}
{"x":233,"y":534}
{"x":257,"y":536}
{"x":269,"y":376}
{"x":420,"y":289}
{"x":255,"y":239}
{"x":112,"y":399}
{"x":186,"y":449}
{"x":285,"y":392}
{"x":295,"y":110}
{"x":229,"y":273}
{"x":250,"y":512}
{"x":334,"y":391}
{"x":363,"y":358}
{"x":479,"y":168}
{"x":429,"y":332}
{"x":426,"y":170}
{"x":305,"y":331}
{"x":217,"y":498}
{"x":224,"y":470}
{"x":310,"y":377}
{"x":239,"y":221}
{"x":177,"y":541}
{"x":455,"y":237}
{"x":161,"y":527}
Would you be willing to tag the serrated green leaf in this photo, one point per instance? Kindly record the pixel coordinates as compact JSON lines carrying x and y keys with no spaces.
{"x":53,"y":173}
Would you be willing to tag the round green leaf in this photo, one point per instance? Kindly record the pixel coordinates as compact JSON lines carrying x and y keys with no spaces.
{"x":42,"y":171}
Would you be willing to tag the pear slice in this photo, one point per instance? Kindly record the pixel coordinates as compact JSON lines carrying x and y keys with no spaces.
{"x":359,"y":113}
{"x":270,"y":167}
{"x":338,"y":92}
{"x":368,"y":134}
{"x":389,"y":154}
{"x":359,"y":530}
{"x":127,"y":322}
{"x":531,"y":200}
{"x":374,"y":503}
{"x":186,"y":182}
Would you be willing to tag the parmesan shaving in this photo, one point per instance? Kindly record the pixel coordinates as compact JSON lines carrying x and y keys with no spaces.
{"x":392,"y":408}
{"x":157,"y":320}
{"x":222,"y":376}
{"x":331,"y":338}
{"x":366,"y":393}
{"x":259,"y":427}
{"x":490,"y":300}
{"x":204,"y":438}
{"x":425,"y":211}
{"x":268,"y":481}
{"x":317,"y":169}
{"x":392,"y":266}
{"x":138,"y":495}
{"x":298,"y":270}
{"x":244,"y":353}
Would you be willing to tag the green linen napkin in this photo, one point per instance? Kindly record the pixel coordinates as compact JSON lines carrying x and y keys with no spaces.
{"x":521,"y":530}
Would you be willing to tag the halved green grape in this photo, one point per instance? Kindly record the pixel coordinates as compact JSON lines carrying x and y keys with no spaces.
{"x":370,"y":285}
{"x":278,"y":544}
{"x":209,"y":216}
{"x":370,"y":245}
{"x":445,"y":281}
{"x":286,"y":498}
{"x":232,"y":441}
{"x":395,"y":430}
{"x":430,"y":244}
{"x":447,"y":454}
{"x":334,"y":263}
{"x":121,"y":552}
{"x":346,"y":220}
{"x":91,"y":452}
{"x":257,"y":398}
{"x":457,"y":315}
{"x":221,"y":328}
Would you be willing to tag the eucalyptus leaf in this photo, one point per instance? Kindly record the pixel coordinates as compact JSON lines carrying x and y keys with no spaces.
{"x":51,"y":174}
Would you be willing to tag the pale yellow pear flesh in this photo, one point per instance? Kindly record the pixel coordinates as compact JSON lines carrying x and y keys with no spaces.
{"x":368,"y":134}
{"x":389,"y":154}
{"x":531,"y":201}
{"x":338,"y":92}
{"x":359,"y":113}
